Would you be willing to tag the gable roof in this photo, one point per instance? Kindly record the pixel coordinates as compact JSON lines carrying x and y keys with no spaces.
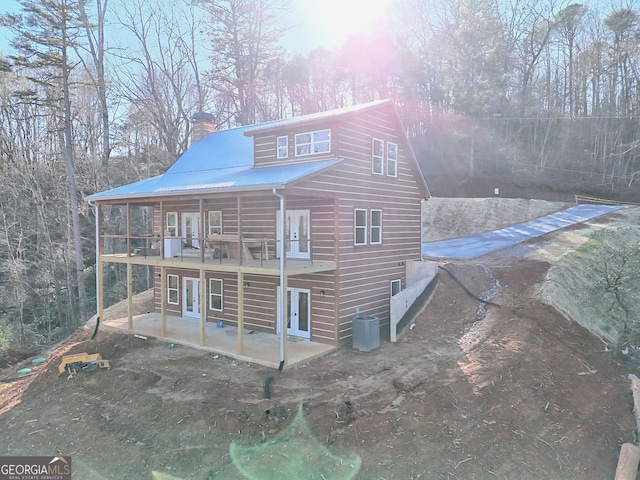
{"x":223,"y":161}
{"x":314,"y":117}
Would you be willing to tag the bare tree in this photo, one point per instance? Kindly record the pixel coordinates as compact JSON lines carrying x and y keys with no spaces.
{"x":243,"y":37}
{"x":158,"y":72}
{"x":45,"y":36}
{"x":95,"y":35}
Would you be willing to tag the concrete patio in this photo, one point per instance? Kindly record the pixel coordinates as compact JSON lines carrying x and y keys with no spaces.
{"x":258,"y":347}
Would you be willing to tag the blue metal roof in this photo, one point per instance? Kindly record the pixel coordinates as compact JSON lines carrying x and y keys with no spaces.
{"x":221,"y":149}
{"x":223,"y":161}
{"x":216,"y":180}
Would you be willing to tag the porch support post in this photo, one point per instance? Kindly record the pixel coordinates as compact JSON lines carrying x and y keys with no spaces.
{"x":284,"y":354}
{"x":162,"y":229}
{"x":100,"y":290}
{"x":201,"y":233}
{"x":130,"y":296}
{"x":282,"y":326}
{"x":128,"y":229}
{"x":240,"y":246}
{"x":163,"y":301}
{"x":99,"y":268}
{"x":203,"y":306}
{"x":240,"y":312}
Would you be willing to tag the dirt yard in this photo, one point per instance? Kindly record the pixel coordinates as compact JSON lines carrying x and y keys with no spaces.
{"x":470,"y":391}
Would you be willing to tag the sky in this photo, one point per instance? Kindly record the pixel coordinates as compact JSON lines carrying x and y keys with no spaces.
{"x":313,"y":23}
{"x":329,"y":22}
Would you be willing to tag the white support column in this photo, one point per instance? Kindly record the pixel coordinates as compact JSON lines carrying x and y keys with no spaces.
{"x":240,"y":278}
{"x":203,"y":306}
{"x":129,"y":296}
{"x":163,"y":301}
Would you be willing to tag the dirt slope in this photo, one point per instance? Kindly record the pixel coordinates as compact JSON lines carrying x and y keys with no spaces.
{"x":445,"y":218}
{"x":470,"y":392}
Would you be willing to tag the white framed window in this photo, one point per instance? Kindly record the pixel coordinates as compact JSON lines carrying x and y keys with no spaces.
{"x":172,"y":224}
{"x":360,"y":227}
{"x":173,"y":289}
{"x":214,"y":221}
{"x":376,"y":227}
{"x":392,"y":159}
{"x":215,"y":294}
{"x":377,"y":156}
{"x":396,"y":286}
{"x":282,"y":146}
{"x":310,"y":143}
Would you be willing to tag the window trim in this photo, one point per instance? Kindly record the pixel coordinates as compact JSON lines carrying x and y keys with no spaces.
{"x":216,"y":295}
{"x":170,"y":227}
{"x":176,"y":289}
{"x":284,"y":148}
{"x":397,"y":281}
{"x":357,"y":228}
{"x":375,"y":157}
{"x":393,"y":160}
{"x":210,"y":226}
{"x":313,"y":143}
{"x":377,"y":227}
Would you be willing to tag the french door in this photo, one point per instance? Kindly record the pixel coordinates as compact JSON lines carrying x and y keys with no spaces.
{"x":191,"y":229}
{"x":297,"y":234}
{"x":298,"y":312}
{"x":191,"y":297}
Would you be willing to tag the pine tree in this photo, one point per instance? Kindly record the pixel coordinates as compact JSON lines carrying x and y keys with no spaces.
{"x":46,"y":34}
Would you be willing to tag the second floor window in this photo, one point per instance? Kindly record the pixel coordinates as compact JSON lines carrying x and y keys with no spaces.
{"x":376,"y":227}
{"x":172,"y":224}
{"x":360,"y":233}
{"x":282,"y":144}
{"x":392,"y":159}
{"x":377,"y":156}
{"x":215,"y":222}
{"x":311,"y":143}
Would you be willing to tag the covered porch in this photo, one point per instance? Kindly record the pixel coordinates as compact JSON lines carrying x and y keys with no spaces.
{"x":254,"y":346}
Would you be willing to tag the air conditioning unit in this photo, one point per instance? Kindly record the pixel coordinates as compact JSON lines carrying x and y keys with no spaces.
{"x":366,"y":333}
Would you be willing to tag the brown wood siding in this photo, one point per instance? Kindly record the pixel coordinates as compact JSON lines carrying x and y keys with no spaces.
{"x":323,"y":309}
{"x":366,"y":272}
{"x":228,"y":206}
{"x":264,"y":147}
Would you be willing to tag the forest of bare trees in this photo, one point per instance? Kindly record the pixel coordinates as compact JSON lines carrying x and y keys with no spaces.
{"x":98,"y":93}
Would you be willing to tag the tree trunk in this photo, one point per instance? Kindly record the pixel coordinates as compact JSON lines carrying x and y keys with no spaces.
{"x":71,"y":182}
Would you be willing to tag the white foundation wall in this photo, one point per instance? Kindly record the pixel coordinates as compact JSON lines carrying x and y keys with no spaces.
{"x":419,"y":275}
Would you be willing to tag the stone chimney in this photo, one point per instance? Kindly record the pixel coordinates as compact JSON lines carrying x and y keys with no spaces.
{"x":203,"y":123}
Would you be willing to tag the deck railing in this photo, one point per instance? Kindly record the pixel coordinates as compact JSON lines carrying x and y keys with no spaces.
{"x":227,"y":249}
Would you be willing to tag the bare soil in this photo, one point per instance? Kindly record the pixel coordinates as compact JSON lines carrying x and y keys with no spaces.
{"x":470,"y":391}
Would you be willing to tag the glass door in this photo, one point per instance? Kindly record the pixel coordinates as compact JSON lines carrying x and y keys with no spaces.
{"x":298,"y":313}
{"x":297,"y":233}
{"x":191,"y":297}
{"x":191,"y":229}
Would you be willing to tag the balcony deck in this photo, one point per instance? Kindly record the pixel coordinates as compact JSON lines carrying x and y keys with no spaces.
{"x":230,"y":255}
{"x":293,"y":266}
{"x":259,"y":347}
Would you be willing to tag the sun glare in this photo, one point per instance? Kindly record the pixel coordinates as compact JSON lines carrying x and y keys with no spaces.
{"x":332,"y":21}
{"x":355,"y":16}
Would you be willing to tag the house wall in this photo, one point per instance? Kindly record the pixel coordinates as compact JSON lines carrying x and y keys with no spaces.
{"x":363,"y":283}
{"x":258,"y":219}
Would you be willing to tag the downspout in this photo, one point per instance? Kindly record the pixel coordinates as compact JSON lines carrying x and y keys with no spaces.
{"x":283,"y":292}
